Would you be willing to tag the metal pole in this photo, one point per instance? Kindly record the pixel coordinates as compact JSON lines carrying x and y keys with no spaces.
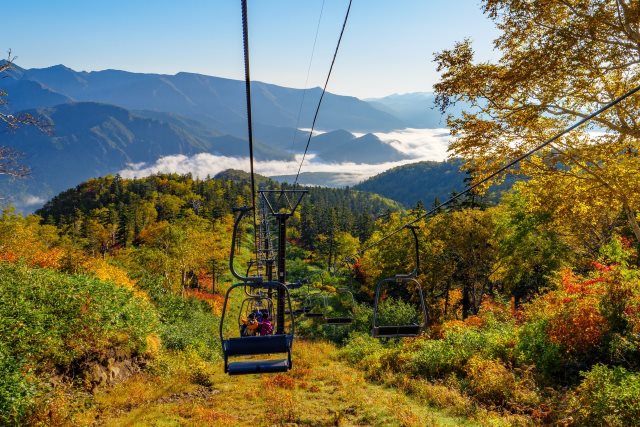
{"x":282,"y":268}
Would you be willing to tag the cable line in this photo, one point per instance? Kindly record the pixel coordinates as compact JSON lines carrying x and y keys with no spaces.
{"x":247,"y":80}
{"x":502,"y":169}
{"x":324,"y":89}
{"x":306,"y":81}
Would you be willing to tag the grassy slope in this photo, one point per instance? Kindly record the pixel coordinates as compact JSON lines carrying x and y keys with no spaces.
{"x":318,"y":391}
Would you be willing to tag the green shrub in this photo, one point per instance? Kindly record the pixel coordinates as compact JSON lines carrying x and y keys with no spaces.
{"x":53,"y":320}
{"x":55,"y":323}
{"x":16,"y":392}
{"x":393,"y":311}
{"x":535,"y":347}
{"x":358,"y":347}
{"x":606,"y":396}
{"x":184,"y":322}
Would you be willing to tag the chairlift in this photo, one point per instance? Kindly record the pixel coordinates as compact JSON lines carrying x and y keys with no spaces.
{"x":315,"y":306}
{"x":411,"y":329}
{"x":243,"y":346}
{"x":255,"y":304}
{"x":344,"y":314}
{"x":256,"y":345}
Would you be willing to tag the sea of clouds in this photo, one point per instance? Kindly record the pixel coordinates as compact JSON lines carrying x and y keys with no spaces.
{"x":419,"y":144}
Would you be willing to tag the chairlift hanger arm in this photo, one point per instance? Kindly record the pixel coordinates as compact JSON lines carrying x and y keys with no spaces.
{"x":243,"y":211}
{"x":416,"y":269}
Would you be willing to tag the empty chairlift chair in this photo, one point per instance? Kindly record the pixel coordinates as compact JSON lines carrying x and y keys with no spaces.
{"x":340,"y":313}
{"x":314,"y":306}
{"x":406,"y":281}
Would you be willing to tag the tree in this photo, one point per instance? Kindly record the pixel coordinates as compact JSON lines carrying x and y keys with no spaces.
{"x":9,"y":158}
{"x":530,"y":251}
{"x":458,"y":254}
{"x":561,"y":59}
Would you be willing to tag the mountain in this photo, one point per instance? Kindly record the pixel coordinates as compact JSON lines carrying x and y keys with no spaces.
{"x":417,"y":109}
{"x":105,"y":120}
{"x":215,"y":100}
{"x":27,"y":94}
{"x":342,"y":146}
{"x":93,"y":139}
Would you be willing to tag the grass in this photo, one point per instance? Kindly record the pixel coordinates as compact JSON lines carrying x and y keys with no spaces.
{"x":318,"y":391}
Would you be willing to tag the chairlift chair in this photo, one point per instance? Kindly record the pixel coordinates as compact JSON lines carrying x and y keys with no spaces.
{"x":243,"y":346}
{"x":253,"y":303}
{"x":256,"y":345}
{"x":405,"y":330}
{"x":314,"y":306}
{"x":343,"y":317}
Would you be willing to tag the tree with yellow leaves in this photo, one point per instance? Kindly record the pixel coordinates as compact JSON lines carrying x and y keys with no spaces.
{"x":560,"y":60}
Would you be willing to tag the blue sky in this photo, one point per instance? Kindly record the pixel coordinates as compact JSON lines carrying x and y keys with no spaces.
{"x":387,"y":48}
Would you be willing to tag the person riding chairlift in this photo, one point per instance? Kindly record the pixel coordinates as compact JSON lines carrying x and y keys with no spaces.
{"x":249,"y":326}
{"x":266,"y":328}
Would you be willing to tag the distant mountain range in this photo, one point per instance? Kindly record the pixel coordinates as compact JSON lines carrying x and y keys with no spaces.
{"x":105,"y":120}
{"x":216,"y":101}
{"x":417,"y":109}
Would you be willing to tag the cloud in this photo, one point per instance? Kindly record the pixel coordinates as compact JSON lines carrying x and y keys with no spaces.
{"x":31,"y":200}
{"x":420,"y":144}
{"x":425,"y":144}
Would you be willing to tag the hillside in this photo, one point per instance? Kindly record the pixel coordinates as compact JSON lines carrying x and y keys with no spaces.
{"x":318,"y":391}
{"x":424,"y":181}
{"x":129,"y":204}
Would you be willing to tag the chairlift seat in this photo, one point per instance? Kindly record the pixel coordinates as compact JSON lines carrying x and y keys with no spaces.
{"x":339,"y":320}
{"x":396,"y":331}
{"x":263,"y":344}
{"x":313,"y":315}
{"x":250,"y":346}
{"x":295,"y":285}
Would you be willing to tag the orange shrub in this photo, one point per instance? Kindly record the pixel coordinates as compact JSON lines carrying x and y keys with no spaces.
{"x":279,"y":381}
{"x":491,"y":307}
{"x":215,"y":301}
{"x":579,"y":327}
{"x":474,"y":321}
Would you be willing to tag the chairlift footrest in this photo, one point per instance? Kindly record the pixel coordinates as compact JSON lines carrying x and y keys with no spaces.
{"x":258,"y":367}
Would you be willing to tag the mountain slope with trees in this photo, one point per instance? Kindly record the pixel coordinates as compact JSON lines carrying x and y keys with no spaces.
{"x":424,"y":181}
